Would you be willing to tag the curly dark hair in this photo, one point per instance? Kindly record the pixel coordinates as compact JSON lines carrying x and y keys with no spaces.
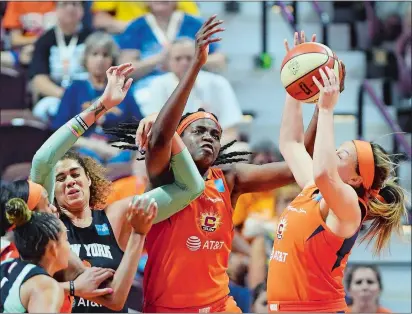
{"x":125,"y":132}
{"x":101,"y":186}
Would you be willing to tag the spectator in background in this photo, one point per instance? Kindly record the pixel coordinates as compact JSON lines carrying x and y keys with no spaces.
{"x":211,"y":91}
{"x":404,"y":55}
{"x":57,"y":57}
{"x":364,"y":286}
{"x":146,"y":41}
{"x":101,"y":52}
{"x":26,"y":21}
{"x":115,"y":16}
{"x":254,"y":212}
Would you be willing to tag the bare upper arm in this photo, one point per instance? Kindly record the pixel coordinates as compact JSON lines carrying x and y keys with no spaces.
{"x":116,"y":213}
{"x":299,"y":162}
{"x":340,"y":197}
{"x":255,"y":178}
{"x":42,"y":294}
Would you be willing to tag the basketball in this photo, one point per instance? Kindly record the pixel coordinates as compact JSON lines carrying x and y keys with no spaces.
{"x":301,"y":63}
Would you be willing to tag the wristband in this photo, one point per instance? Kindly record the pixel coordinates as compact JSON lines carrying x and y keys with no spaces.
{"x":71,"y":288}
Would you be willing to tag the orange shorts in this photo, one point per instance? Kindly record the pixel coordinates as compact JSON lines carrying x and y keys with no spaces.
{"x":225,"y":305}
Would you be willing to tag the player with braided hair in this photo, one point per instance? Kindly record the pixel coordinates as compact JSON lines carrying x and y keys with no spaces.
{"x":125,"y":133}
{"x":196,"y":241}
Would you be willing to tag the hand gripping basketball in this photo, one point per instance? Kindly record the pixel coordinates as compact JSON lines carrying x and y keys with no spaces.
{"x":329,"y":91}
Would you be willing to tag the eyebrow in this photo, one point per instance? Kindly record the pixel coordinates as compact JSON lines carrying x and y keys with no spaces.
{"x":70,"y":170}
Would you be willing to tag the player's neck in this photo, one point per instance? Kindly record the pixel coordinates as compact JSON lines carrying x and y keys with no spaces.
{"x":48,"y":265}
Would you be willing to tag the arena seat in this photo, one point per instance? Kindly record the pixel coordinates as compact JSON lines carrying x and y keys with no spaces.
{"x":19,"y":141}
{"x":13,"y":89}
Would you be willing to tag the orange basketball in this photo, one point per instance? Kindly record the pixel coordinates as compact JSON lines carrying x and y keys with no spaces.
{"x":301,"y":63}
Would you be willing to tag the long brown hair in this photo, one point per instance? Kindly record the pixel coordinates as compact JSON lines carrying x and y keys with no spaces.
{"x":385,"y":217}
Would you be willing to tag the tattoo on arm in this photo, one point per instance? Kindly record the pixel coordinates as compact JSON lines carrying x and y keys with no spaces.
{"x":97,"y":108}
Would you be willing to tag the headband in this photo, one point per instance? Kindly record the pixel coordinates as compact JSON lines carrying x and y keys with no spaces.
{"x":194,"y":117}
{"x":35,"y":191}
{"x":367,"y":167}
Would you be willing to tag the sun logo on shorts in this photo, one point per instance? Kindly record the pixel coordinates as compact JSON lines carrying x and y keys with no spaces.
{"x":281,"y":228}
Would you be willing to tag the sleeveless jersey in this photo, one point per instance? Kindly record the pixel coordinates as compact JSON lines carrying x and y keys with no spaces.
{"x":189,"y":252}
{"x":14,"y":273}
{"x":96,"y":246}
{"x":308,"y":260}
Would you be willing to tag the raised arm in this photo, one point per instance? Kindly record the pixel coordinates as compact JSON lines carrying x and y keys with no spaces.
{"x":291,"y":141}
{"x":339,"y":196}
{"x":164,"y":128}
{"x":42,"y":170}
{"x":255,"y":178}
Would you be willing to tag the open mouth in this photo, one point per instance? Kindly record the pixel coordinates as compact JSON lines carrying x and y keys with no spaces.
{"x":73,"y":192}
{"x":208,"y":147}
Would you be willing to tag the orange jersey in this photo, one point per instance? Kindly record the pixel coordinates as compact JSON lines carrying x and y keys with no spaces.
{"x":308,"y":260}
{"x":189,"y":252}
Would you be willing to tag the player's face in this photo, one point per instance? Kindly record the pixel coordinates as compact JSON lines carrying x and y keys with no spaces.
{"x":347,"y":160}
{"x":202,"y":139}
{"x":44,"y":206}
{"x":180,"y":57}
{"x":98,"y":60}
{"x":72,"y":189}
{"x":365,"y":286}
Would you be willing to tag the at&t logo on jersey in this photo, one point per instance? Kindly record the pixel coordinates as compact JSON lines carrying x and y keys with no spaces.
{"x":209,"y":222}
{"x":281,"y":228}
{"x":193,"y":243}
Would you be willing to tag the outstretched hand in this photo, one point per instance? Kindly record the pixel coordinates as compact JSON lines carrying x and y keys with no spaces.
{"x":329,"y":91}
{"x":117,"y":86}
{"x":204,"y":38}
{"x":298,"y":39}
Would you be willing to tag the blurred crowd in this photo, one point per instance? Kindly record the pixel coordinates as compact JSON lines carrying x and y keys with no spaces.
{"x":60,"y":51}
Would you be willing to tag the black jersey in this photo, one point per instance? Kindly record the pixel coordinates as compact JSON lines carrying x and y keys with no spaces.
{"x":14,"y":273}
{"x":96,"y":245}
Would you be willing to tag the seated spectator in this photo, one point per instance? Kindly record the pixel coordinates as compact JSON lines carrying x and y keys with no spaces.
{"x":115,"y":16}
{"x":57,"y":57}
{"x":99,"y":55}
{"x":26,"y":21}
{"x":212,"y":92}
{"x":147,"y":40}
{"x":364,"y":287}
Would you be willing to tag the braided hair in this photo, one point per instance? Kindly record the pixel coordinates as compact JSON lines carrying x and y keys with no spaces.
{"x":125,"y":133}
{"x":33,"y":230}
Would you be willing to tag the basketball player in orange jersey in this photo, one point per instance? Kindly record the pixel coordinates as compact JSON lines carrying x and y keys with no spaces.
{"x":341,"y":189}
{"x":188,"y":253}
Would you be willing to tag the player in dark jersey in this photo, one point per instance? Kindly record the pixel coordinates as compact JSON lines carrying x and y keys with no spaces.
{"x":27,"y":283}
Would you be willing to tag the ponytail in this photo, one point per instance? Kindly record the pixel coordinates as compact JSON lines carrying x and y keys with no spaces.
{"x":386,"y":217}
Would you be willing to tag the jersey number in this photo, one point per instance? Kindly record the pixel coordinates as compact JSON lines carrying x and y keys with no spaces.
{"x":305,"y":88}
